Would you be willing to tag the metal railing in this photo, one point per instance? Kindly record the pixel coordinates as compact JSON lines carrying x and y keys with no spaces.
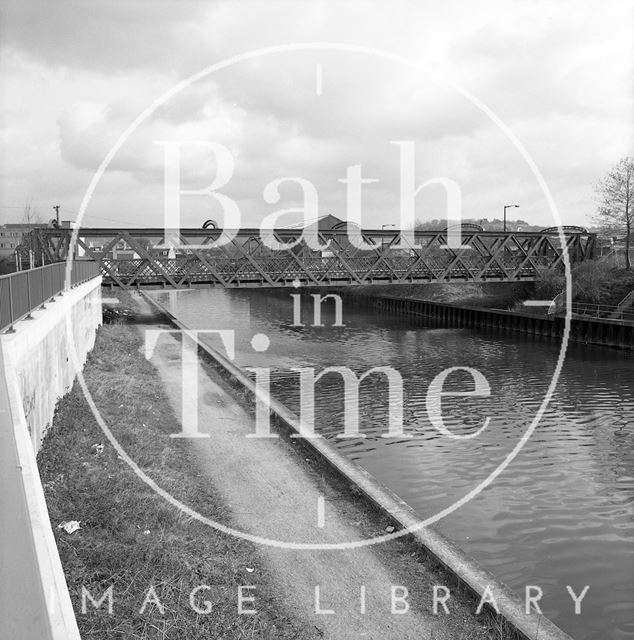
{"x":627,"y":303}
{"x":614,"y":255}
{"x":602,"y":311}
{"x":623,"y":312}
{"x":24,"y":291}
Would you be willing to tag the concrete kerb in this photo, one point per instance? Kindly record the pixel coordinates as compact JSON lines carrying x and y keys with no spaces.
{"x":462,"y":567}
{"x":60,"y":616}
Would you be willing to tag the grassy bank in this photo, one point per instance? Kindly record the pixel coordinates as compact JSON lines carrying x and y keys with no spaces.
{"x":593,"y":281}
{"x":501,"y":295}
{"x":130,"y":538}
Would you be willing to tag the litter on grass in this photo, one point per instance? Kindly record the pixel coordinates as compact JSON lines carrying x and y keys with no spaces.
{"x":70,"y":527}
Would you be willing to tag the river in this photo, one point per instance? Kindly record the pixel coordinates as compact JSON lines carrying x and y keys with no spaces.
{"x":561,"y":513}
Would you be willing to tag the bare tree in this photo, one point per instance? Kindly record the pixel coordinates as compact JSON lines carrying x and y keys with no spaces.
{"x":146,"y":243}
{"x":30,"y":214}
{"x":616,"y":202}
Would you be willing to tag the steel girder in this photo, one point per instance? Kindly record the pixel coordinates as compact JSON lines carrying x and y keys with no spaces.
{"x":140,"y":257}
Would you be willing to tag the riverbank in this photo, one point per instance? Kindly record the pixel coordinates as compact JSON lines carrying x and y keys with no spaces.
{"x":497,"y":295}
{"x":132,"y":540}
{"x":593,"y":331}
{"x":594,"y":281}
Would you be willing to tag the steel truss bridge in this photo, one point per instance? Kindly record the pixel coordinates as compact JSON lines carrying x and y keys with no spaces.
{"x":140,"y":257}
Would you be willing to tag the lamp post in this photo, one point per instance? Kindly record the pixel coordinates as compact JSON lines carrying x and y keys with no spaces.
{"x":508,"y":206}
{"x":383,"y":226}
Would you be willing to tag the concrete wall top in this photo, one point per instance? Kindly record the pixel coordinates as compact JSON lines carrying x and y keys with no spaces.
{"x":34,"y":599}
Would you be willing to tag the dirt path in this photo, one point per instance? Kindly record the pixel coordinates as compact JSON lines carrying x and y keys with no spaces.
{"x":272,"y":492}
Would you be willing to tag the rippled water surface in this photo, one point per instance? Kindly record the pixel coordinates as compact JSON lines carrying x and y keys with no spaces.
{"x":560,"y":514}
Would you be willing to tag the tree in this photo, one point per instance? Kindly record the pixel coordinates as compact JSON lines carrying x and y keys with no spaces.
{"x":146,"y":243}
{"x":30,"y":214}
{"x":616,"y":202}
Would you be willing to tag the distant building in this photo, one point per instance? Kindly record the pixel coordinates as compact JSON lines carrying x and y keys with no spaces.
{"x":323,"y":223}
{"x":11,"y":235}
{"x":326,"y":222}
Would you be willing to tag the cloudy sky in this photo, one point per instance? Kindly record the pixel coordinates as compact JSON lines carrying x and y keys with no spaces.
{"x":76,"y":74}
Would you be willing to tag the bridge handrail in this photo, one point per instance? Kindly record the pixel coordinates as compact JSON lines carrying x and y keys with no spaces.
{"x":24,"y":291}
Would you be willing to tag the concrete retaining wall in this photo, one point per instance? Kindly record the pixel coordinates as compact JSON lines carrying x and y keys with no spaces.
{"x":36,"y":369}
{"x":38,"y":352}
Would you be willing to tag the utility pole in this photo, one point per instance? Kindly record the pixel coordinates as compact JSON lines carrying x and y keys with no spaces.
{"x":56,"y":207}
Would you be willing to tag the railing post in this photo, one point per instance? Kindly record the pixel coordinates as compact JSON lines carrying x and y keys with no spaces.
{"x":42,"y":282}
{"x":51,"y":287}
{"x":10,"y":329}
{"x":28,"y":293}
{"x":60,"y":283}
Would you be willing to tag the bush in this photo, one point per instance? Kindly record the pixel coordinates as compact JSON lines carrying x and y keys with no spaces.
{"x":591,"y":281}
{"x":7,"y":265}
{"x":551,"y":283}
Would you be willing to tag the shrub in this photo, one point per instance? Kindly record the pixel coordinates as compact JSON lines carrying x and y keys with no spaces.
{"x":591,"y":280}
{"x":7,"y":265}
{"x":551,"y":283}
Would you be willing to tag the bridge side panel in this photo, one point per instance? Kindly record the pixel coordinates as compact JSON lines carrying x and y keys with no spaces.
{"x":138,"y":257}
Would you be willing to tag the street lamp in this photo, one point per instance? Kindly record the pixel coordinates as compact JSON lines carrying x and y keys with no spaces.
{"x":383,"y":226}
{"x":508,"y":206}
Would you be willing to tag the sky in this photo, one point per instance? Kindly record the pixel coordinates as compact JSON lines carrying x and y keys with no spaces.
{"x":75,"y":75}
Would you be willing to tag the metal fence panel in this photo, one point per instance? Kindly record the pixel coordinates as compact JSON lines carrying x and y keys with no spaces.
{"x":25,"y":291}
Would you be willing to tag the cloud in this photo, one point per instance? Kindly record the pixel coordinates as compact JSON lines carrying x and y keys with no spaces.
{"x":100,"y":35}
{"x":77,"y":74}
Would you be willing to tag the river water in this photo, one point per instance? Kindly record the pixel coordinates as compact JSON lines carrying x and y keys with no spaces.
{"x":561,"y":513}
